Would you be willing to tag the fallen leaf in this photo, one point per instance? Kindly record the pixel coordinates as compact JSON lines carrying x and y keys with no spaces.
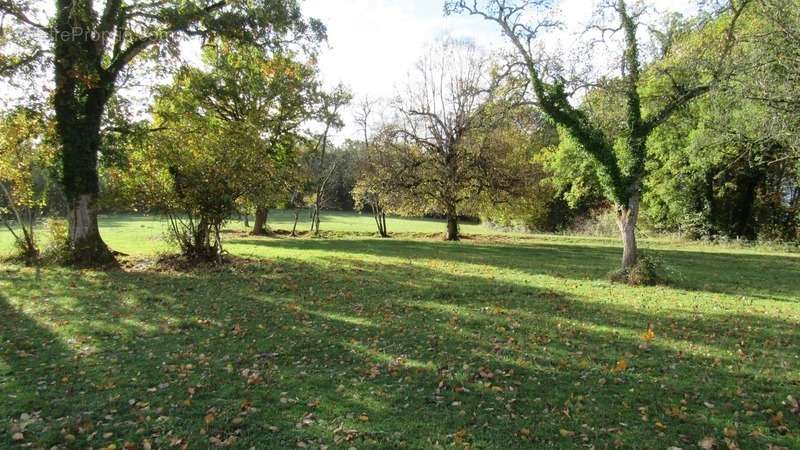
{"x":794,"y":405}
{"x":707,"y":443}
{"x":649,"y":335}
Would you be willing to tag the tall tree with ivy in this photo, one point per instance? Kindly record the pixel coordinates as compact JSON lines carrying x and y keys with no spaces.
{"x":620,"y":157}
{"x":93,"y":44}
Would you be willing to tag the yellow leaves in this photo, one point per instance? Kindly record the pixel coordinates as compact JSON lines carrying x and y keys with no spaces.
{"x":620,"y":366}
{"x":24,"y":151}
{"x":566,"y":433}
{"x":678,"y":412}
{"x":363,"y":418}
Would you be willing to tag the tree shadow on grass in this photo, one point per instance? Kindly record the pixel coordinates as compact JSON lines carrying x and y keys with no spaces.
{"x":380,"y":355}
{"x":758,"y":276}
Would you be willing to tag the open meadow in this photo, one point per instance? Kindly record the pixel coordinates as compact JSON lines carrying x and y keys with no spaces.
{"x":351,"y":341}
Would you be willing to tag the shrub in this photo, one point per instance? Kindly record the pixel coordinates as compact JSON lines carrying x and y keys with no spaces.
{"x":644,"y":273}
{"x":57,"y":249}
{"x":198,"y":238}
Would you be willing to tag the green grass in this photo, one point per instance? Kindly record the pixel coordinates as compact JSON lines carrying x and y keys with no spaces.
{"x":500,"y":341}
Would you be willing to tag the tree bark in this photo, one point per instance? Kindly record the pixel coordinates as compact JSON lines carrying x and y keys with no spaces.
{"x":452,"y":227}
{"x":627,"y":216}
{"x":260,"y":222}
{"x":86,"y":245}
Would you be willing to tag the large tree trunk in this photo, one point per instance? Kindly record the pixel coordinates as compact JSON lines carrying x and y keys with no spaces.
{"x":260,"y":223}
{"x":627,"y":215}
{"x":80,"y":97}
{"x":79,"y":161}
{"x":452,"y":227}
{"x":86,"y":245}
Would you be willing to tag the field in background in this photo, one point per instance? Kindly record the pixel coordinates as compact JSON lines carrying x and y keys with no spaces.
{"x":500,"y":341}
{"x":145,"y":234}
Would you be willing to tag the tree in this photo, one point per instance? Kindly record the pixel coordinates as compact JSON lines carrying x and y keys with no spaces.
{"x":370,"y":189}
{"x":727,"y":165}
{"x":26,"y":157}
{"x":441,"y":112}
{"x":272,"y":93}
{"x":92,"y":46}
{"x":328,"y":114}
{"x":621,"y":157}
{"x":529,"y":200}
{"x":225,"y":135}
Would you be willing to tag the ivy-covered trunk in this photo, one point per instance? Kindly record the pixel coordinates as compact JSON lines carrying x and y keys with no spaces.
{"x":82,"y":90}
{"x":627,"y":216}
{"x":78,"y":123}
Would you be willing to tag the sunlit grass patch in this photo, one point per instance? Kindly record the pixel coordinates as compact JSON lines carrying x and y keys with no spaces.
{"x":353,"y":341}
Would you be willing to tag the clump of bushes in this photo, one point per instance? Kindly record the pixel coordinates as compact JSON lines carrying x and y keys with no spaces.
{"x":56,"y":251}
{"x":644,"y":273}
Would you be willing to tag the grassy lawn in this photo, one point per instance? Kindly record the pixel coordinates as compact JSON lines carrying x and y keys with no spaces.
{"x":348,"y":341}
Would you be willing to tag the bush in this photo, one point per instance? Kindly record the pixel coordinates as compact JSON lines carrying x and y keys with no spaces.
{"x":644,"y":273}
{"x":198,"y":239}
{"x":57,"y":249}
{"x":25,"y":252}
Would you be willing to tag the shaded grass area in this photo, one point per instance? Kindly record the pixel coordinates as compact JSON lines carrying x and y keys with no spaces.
{"x":497,"y":342}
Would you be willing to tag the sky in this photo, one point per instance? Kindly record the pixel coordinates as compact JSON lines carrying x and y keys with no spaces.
{"x":373,"y":44}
